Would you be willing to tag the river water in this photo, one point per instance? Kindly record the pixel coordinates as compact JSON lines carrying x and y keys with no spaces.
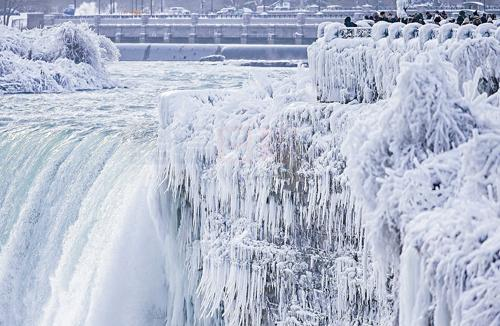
{"x":77,"y":245}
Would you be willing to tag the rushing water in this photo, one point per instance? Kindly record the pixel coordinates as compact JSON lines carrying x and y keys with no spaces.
{"x":77,"y":245}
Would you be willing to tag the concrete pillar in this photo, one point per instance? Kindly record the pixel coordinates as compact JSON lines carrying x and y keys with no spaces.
{"x":301,"y":18}
{"x":194,"y":18}
{"x":194,"y":22}
{"x":144,"y":24}
{"x":270,"y":34}
{"x":218,"y":34}
{"x":118,"y":35}
{"x":35,"y":20}
{"x":247,"y":17}
{"x":167,"y":35}
{"x":97,"y":23}
{"x":192,"y":35}
{"x":299,"y":36}
{"x":244,"y":34}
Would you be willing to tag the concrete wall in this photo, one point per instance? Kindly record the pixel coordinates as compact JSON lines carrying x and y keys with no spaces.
{"x":194,"y":52}
{"x":35,"y":20}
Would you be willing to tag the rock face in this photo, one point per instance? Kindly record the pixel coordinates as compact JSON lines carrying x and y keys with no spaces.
{"x":277,"y":209}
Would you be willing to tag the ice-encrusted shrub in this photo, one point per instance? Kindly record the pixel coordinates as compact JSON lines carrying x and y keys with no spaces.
{"x":65,"y":57}
{"x":479,"y":53}
{"x":447,"y":31}
{"x":427,"y":117}
{"x":427,"y":172}
{"x":395,"y":31}
{"x":74,"y":42}
{"x":12,"y":40}
{"x":450,"y":253}
{"x":466,"y":31}
{"x":380,"y":30}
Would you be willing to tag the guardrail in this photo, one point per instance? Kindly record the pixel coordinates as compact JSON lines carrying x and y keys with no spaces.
{"x":273,"y":15}
{"x":208,"y":29}
{"x":268,"y":15}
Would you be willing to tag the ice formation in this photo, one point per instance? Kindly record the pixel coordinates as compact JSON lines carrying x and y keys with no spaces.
{"x":366,"y":69}
{"x":401,"y":6}
{"x":66,"y":57}
{"x":256,"y":192}
{"x":276,"y":209}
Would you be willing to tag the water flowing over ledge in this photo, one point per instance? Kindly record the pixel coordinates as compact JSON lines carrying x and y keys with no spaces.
{"x":276,"y":209}
{"x":77,"y":243}
{"x":68,"y":57}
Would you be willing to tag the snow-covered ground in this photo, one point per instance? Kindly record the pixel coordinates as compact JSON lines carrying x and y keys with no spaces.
{"x":64,"y":58}
{"x":278,"y":209}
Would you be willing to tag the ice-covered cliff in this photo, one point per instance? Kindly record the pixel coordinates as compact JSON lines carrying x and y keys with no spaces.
{"x":277,"y":209}
{"x":63,"y":58}
{"x":265,"y":227}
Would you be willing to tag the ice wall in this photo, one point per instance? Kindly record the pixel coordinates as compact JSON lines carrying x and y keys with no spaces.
{"x":366,"y":69}
{"x":63,"y":58}
{"x":295,"y":212}
{"x":267,"y":230}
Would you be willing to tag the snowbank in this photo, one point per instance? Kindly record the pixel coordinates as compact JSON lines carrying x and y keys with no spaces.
{"x":365,"y":69}
{"x":276,"y":209}
{"x":67,"y":57}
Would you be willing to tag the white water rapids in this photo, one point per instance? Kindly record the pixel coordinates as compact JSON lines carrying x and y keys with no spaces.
{"x":78,"y":244}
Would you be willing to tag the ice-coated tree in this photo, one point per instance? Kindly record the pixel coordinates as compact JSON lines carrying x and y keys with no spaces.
{"x":9,"y":8}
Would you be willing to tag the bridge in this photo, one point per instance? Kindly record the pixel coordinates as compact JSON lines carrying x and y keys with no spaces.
{"x":249,"y":28}
{"x":207,"y":29}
